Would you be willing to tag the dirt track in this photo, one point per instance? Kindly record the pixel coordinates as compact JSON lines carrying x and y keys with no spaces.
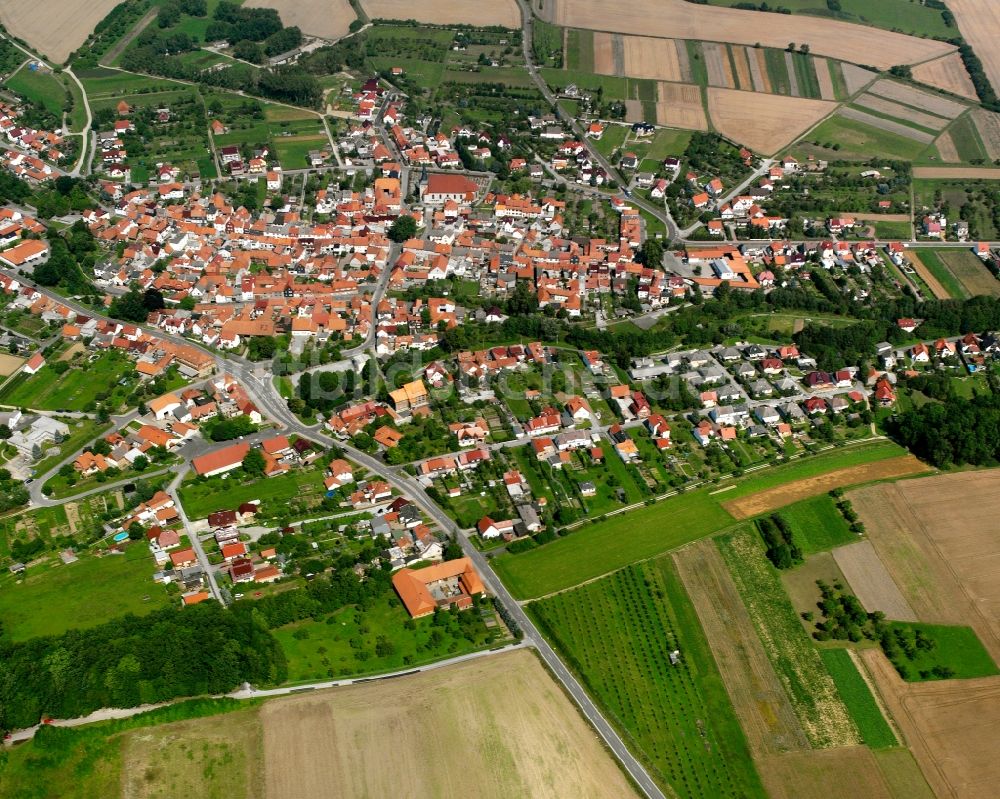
{"x":498,"y":727}
{"x":774,"y":498}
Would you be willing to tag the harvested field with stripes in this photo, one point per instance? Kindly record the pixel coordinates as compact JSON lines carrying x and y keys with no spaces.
{"x":682,"y":20}
{"x":939,"y":291}
{"x":825,"y":80}
{"x":653,"y":58}
{"x":793,"y":80}
{"x":329,"y":19}
{"x":871,"y":582}
{"x":979,"y":23}
{"x":946,"y":148}
{"x":887,"y":125}
{"x":604,"y":55}
{"x":956,"y":172}
{"x":946,"y":73}
{"x":742,"y":68}
{"x":720,"y":72}
{"x":777,"y":120}
{"x":856,"y":78}
{"x":971,"y":272}
{"x":988,"y":125}
{"x":445,"y":12}
{"x":758,"y":69}
{"x":916,"y":98}
{"x":845,"y":771}
{"x":679,"y":106}
{"x":893,"y":109}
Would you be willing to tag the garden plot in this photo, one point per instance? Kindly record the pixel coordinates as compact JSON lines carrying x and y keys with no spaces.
{"x":679,"y":105}
{"x":889,"y":108}
{"x":763,"y":122}
{"x":946,"y":73}
{"x":911,"y":96}
{"x":887,"y":125}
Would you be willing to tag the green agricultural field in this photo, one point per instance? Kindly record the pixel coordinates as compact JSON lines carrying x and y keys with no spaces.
{"x":426,"y":74}
{"x":875,"y":730}
{"x":76,"y":389}
{"x":955,"y":648}
{"x":346,"y":643}
{"x":937,"y":267}
{"x":817,"y":525}
{"x":966,"y":138}
{"x":614,"y":88}
{"x":796,"y":661}
{"x":293,"y":151}
{"x":905,"y":16}
{"x":805,"y":74}
{"x":777,"y":71}
{"x":668,"y":142}
{"x":596,"y":549}
{"x":42,"y":88}
{"x":201,"y":497}
{"x":55,"y":597}
{"x":617,"y":635}
{"x":837,"y":78}
{"x":580,"y":50}
{"x":840,"y":137}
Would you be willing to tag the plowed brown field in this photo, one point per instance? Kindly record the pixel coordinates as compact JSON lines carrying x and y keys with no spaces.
{"x":443,"y":12}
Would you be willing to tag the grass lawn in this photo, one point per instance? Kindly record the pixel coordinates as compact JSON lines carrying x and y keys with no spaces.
{"x":596,"y":549}
{"x":617,"y":634}
{"x":346,"y":642}
{"x":956,"y":648}
{"x":817,"y":525}
{"x":73,"y":390}
{"x":875,"y":730}
{"x":202,"y":497}
{"x":42,"y":88}
{"x":54,"y":598}
{"x":293,"y":151}
{"x":614,"y":88}
{"x":893,"y":230}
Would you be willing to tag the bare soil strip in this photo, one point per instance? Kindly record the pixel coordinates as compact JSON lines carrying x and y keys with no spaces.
{"x":679,"y":106}
{"x":444,"y":12}
{"x":681,"y":20}
{"x":871,"y":581}
{"x":604,"y":58}
{"x":765,"y":79}
{"x":939,"y":291}
{"x":946,"y":148}
{"x":946,"y":73}
{"x":683,"y":60}
{"x":856,"y":78}
{"x":793,"y":79}
{"x":950,"y":726}
{"x":957,"y":172}
{"x":893,"y":109}
{"x":516,"y":731}
{"x":825,"y":774}
{"x":779,"y":496}
{"x":644,"y":57}
{"x":887,"y":125}
{"x":916,"y":98}
{"x":988,"y":125}
{"x":757,"y":71}
{"x":763,"y":122}
{"x":717,"y":64}
{"x":824,"y":79}
{"x":760,"y":701}
{"x":618,"y":54}
{"x":742,"y":68}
